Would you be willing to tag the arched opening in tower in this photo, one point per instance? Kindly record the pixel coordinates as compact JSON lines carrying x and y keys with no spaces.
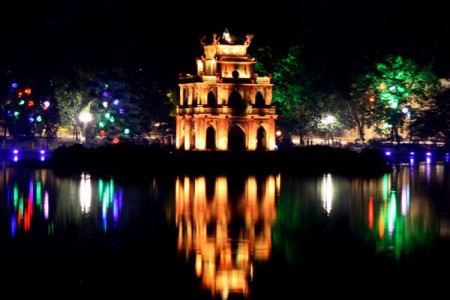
{"x":261,"y":139}
{"x":237,"y":103}
{"x":259,"y":101}
{"x":212,"y":100}
{"x":236,"y":138}
{"x":211,"y":138}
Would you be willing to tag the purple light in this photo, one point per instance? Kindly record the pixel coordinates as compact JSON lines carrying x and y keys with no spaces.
{"x":428,"y":153}
{"x":411,"y":153}
{"x":105,"y":94}
{"x":15,"y":154}
{"x":46,"y":105}
{"x":388,"y":153}
{"x":13,"y":225}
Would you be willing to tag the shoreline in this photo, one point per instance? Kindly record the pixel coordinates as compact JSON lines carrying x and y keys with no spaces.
{"x":132,"y":161}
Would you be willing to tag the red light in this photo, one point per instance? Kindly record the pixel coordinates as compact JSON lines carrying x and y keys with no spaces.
{"x":102,"y":133}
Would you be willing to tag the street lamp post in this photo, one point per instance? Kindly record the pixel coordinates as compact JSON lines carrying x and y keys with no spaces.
{"x":85,"y":117}
{"x":407,"y":111}
{"x":328,"y":123}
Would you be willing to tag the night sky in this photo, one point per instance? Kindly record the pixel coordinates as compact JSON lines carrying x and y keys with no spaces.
{"x":163,"y":36}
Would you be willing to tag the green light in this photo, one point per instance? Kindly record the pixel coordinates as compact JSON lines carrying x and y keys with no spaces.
{"x":15,"y":195}
{"x":39,"y":194}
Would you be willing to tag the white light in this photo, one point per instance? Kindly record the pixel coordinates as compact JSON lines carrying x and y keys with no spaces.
{"x":85,"y":117}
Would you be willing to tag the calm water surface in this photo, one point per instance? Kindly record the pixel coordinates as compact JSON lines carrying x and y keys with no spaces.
{"x":235,"y":236}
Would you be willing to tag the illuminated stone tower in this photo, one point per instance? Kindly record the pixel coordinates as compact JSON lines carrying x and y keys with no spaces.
{"x":226,"y":105}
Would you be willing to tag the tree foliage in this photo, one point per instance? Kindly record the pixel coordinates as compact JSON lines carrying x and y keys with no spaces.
{"x":297,"y":94}
{"x":26,"y":114}
{"x":433,"y":121}
{"x":123,"y":102}
{"x":354,"y":100}
{"x":398,"y":83}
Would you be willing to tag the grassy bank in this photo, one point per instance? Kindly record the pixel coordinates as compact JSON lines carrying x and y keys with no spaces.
{"x":132,"y":160}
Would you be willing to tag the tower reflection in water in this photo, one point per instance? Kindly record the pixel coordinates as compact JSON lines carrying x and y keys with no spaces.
{"x":225,"y":230}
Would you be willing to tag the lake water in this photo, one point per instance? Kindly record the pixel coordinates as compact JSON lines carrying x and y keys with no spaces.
{"x":226,"y":237}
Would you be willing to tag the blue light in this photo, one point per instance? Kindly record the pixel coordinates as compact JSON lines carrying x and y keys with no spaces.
{"x":428,"y":157}
{"x":15,"y":154}
{"x":42,"y":152}
{"x":388,"y":153}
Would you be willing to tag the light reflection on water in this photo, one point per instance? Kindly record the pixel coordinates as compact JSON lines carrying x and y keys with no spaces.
{"x":222,"y":236}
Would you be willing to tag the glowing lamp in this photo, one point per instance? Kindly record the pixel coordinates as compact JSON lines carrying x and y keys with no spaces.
{"x":45,"y":105}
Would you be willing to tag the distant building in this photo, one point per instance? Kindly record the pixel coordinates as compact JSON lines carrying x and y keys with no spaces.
{"x":226,"y":105}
